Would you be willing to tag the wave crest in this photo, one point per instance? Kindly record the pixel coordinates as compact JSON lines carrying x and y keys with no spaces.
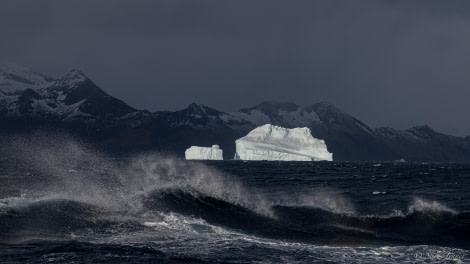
{"x":423,"y":206}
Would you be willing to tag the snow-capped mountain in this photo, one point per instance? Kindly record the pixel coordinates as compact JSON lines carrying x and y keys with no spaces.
{"x":196,"y":116}
{"x":321,"y":116}
{"x":280,"y":114}
{"x":18,"y":78}
{"x":73,"y":103}
{"x":74,"y":96}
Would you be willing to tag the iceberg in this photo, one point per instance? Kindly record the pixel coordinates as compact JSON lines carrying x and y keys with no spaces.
{"x":204,"y":153}
{"x":270,"y":142}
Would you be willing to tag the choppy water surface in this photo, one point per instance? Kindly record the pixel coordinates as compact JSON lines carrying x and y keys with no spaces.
{"x":72,"y":204}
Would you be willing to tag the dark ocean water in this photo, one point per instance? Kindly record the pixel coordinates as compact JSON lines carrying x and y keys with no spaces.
{"x":80,"y":206}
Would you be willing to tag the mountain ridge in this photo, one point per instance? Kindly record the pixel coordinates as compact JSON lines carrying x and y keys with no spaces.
{"x":74,"y":103}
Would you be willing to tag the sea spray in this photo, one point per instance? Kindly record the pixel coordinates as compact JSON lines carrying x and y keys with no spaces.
{"x":81,"y":173}
{"x":150,"y":218}
{"x":421,"y":205}
{"x":157,"y":172}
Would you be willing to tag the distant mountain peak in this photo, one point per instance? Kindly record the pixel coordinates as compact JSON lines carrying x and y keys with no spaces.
{"x":327,"y":107}
{"x":423,"y":131}
{"x":20,"y":78}
{"x":194,"y":115}
{"x":330,"y":112}
{"x":422,"y":128}
{"x":270,"y":107}
{"x":76,"y":73}
{"x":199,"y":109}
{"x":324,"y":104}
{"x":196,"y":107}
{"x":73,"y":78}
{"x":283,"y":114}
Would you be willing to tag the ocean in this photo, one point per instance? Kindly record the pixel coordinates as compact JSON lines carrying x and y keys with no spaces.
{"x":76,"y":205}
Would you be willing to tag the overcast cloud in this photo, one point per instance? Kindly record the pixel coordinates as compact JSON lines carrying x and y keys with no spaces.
{"x":388,"y":63}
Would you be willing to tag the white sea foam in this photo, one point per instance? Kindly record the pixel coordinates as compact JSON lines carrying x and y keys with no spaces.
{"x":156,"y":172}
{"x":419,"y":205}
{"x":424,"y":206}
{"x":83,"y":174}
{"x":16,"y":202}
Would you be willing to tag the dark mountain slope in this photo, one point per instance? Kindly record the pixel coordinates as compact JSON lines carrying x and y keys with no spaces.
{"x":74,"y":104}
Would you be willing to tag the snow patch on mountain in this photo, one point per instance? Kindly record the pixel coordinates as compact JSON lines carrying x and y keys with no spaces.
{"x":236,"y":123}
{"x":282,"y":114}
{"x":14,"y":79}
{"x":25,"y":92}
{"x":254,"y":116}
{"x":300,"y":117}
{"x":71,"y":81}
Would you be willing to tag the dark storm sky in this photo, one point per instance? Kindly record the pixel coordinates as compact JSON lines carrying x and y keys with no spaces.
{"x":388,"y":63}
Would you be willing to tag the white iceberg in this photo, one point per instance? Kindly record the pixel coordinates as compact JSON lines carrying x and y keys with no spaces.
{"x":270,"y":142}
{"x":204,"y":153}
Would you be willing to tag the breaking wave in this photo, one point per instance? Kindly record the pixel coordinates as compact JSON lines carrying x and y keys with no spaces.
{"x":88,"y":193}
